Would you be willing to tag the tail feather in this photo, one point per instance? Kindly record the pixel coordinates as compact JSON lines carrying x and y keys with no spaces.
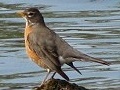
{"x":88,"y":58}
{"x":72,"y":55}
{"x":71,"y":65}
{"x":59,"y":71}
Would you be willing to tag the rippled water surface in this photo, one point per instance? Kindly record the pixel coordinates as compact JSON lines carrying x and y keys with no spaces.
{"x":91,"y":26}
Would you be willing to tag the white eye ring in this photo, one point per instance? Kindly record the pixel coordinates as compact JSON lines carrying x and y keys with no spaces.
{"x":30,"y":14}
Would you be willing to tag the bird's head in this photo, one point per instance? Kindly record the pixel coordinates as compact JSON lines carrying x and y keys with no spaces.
{"x":32,"y":15}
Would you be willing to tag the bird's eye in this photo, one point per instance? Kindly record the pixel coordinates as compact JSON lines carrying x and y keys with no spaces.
{"x":30,"y":14}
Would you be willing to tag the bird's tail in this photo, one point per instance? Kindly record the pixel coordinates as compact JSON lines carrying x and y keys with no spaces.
{"x":59,"y":71}
{"x":71,"y":65}
{"x":85,"y":57}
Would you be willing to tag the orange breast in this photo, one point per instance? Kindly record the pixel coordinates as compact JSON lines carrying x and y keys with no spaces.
{"x":31,"y":53}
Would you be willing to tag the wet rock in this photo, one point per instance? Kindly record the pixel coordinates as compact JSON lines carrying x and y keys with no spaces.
{"x":57,"y":84}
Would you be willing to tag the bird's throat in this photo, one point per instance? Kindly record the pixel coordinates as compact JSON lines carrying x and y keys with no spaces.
{"x":29,"y":23}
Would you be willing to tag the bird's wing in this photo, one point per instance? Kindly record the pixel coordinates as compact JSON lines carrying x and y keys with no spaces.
{"x":44,"y":48}
{"x":70,"y":54}
{"x":47,"y":50}
{"x":75,"y":54}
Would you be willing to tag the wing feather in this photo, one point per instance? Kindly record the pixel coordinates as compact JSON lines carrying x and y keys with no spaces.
{"x":44,"y":48}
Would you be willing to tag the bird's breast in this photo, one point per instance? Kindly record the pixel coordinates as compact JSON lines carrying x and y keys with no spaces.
{"x":37,"y":59}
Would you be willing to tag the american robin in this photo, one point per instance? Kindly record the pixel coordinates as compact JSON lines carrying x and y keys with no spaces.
{"x":47,"y":49}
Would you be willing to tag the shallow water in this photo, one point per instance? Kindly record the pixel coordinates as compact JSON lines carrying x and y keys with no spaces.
{"x":91,"y":26}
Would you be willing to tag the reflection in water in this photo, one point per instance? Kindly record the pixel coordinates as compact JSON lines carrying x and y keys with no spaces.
{"x":91,"y":26}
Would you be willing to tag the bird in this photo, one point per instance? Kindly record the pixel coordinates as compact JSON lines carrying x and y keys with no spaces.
{"x":47,"y":49}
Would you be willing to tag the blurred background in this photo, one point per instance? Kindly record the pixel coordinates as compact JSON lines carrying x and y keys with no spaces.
{"x":91,"y":26}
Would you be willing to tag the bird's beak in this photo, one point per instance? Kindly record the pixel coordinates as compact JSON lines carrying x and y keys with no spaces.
{"x":21,"y":13}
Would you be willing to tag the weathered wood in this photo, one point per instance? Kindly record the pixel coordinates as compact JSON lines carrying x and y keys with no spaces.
{"x":57,"y":84}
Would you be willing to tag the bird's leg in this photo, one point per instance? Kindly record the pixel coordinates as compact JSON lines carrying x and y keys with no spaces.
{"x":46,"y":76}
{"x":53,"y":75}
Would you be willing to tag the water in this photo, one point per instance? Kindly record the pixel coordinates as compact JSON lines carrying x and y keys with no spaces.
{"x":91,"y":26}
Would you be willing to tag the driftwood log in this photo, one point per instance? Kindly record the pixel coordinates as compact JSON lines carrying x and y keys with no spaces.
{"x":57,"y":84}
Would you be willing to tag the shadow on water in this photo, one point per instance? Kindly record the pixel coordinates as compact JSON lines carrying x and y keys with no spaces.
{"x":91,"y":26}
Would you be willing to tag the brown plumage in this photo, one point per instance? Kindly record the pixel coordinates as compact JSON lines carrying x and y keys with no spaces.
{"x":46,"y":48}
